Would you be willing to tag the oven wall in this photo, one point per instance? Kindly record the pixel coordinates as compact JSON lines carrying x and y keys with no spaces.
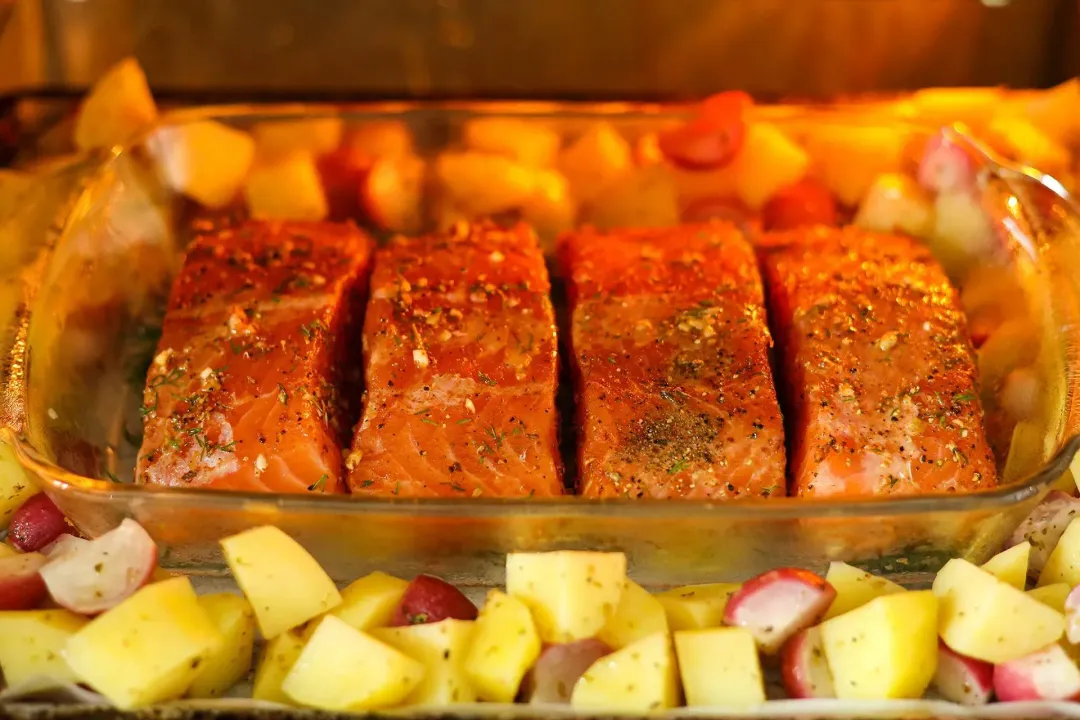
{"x":554,"y":47}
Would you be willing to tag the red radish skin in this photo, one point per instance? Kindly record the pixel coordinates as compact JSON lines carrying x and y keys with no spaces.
{"x":776,"y":605}
{"x":803,"y":667}
{"x":1048,"y":674}
{"x":392,"y":193}
{"x":37,"y":523}
{"x":552,"y":677}
{"x":804,"y":204}
{"x":94,"y":577}
{"x":713,"y":138}
{"x":961,"y":679}
{"x":430,"y":600}
{"x":1044,"y":527}
{"x":21,"y":585}
{"x":945,"y":166}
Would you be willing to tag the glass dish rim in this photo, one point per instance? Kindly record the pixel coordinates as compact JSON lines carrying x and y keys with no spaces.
{"x":779,"y":508}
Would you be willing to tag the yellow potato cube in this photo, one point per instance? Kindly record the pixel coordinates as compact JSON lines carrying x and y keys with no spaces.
{"x":571,"y":595}
{"x":641,"y":677}
{"x":720,"y":668}
{"x":7,"y":551}
{"x":278,"y":657}
{"x":526,"y":142}
{"x":595,"y":160}
{"x":1063,"y":565}
{"x":945,"y":106}
{"x":235,"y":620}
{"x":1011,"y":566}
{"x":886,"y":649}
{"x":342,"y":669}
{"x":370,"y":601}
{"x":32,"y":644}
{"x":205,"y":160}
{"x":1051,"y":595}
{"x":768,"y":161}
{"x":318,"y":136}
{"x":284,"y":584}
{"x":442,"y":648}
{"x":15,"y":487}
{"x":987,"y":619}
{"x":504,"y":647}
{"x":643,"y":198}
{"x":118,"y":106}
{"x":286,"y":188}
{"x":855,"y":587}
{"x":550,"y":209}
{"x":480,"y":184}
{"x":1028,"y":144}
{"x":147,"y":649}
{"x":637,"y":616}
{"x":849,"y":159}
{"x":696,"y":607}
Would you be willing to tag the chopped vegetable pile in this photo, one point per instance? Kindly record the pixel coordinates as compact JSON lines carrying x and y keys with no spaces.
{"x":570,"y":627}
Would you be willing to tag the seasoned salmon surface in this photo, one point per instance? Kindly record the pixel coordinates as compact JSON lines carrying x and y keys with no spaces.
{"x":878,"y":365}
{"x":670,"y":348}
{"x":243,"y":393}
{"x":460,"y":369}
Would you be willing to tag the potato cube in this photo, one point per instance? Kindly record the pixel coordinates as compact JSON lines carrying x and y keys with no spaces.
{"x":550,"y":210}
{"x":720,"y":668}
{"x":987,"y":619}
{"x":885,"y":649}
{"x":643,"y":198}
{"x":278,"y":657}
{"x":1052,"y":595}
{"x":1011,"y":566}
{"x":855,"y":587}
{"x":1063,"y":565}
{"x":32,"y":644}
{"x":286,"y":188}
{"x":641,"y":677}
{"x":284,"y":584}
{"x":505,"y":646}
{"x":480,"y":184}
{"x":370,"y":601}
{"x":768,"y":162}
{"x":7,"y":551}
{"x":147,"y":649}
{"x":595,"y":160}
{"x":343,"y":669}
{"x":1028,"y":144}
{"x":945,"y":106}
{"x":637,"y":616}
{"x":849,"y":159}
{"x":235,"y":620}
{"x":205,"y":160}
{"x":571,"y":595}
{"x":696,"y":607}
{"x":442,"y":648}
{"x":15,"y":487}
{"x":896,"y":203}
{"x":118,"y":106}
{"x":526,"y":142}
{"x":317,"y":136}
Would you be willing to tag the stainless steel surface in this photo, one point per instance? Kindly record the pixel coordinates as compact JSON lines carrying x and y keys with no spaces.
{"x":556,"y":47}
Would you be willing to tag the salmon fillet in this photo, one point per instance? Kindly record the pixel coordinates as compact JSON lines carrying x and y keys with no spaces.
{"x":878,"y":365}
{"x":460,"y":369}
{"x":670,"y":348}
{"x":243,"y":393}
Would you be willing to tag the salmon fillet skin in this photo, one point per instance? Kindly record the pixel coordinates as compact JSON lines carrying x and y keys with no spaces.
{"x":460,"y":369}
{"x":244,"y":391}
{"x":878,"y":365}
{"x":670,"y":350}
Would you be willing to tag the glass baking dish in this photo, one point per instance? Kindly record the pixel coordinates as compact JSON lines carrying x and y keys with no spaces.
{"x":94,"y":298}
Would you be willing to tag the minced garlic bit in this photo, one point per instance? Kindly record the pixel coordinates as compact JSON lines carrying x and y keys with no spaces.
{"x":496,"y":257}
{"x":469,"y":405}
{"x":261,"y":464}
{"x":163,"y":357}
{"x":888,"y":341}
{"x":420,"y":358}
{"x":353,"y":459}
